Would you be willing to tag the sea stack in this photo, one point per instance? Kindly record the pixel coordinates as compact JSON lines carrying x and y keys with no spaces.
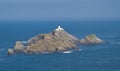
{"x":57,"y":41}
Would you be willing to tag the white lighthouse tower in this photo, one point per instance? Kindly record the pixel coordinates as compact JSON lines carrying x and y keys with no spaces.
{"x":59,"y":28}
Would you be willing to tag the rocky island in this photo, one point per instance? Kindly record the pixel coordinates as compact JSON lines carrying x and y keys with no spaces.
{"x":57,"y":41}
{"x":91,"y":40}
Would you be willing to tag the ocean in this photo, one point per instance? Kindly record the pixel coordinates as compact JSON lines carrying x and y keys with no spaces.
{"x":103,"y":57}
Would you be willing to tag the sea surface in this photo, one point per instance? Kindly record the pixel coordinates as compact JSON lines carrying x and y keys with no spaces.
{"x":104,"y":57}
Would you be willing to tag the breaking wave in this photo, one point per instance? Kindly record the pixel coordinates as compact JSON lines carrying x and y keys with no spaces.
{"x":66,"y":52}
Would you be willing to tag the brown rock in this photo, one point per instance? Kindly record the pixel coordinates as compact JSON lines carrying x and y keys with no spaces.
{"x":91,"y":39}
{"x":19,"y":47}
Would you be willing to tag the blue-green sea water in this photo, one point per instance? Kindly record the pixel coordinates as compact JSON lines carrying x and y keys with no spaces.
{"x":104,"y":57}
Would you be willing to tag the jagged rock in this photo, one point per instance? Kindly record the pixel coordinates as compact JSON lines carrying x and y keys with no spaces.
{"x":10,"y":51}
{"x":19,"y":47}
{"x":91,"y":39}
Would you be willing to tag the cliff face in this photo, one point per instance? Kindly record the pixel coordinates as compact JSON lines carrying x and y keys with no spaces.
{"x":57,"y":41}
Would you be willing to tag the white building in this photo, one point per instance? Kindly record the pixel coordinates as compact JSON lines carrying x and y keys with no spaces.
{"x":59,"y":28}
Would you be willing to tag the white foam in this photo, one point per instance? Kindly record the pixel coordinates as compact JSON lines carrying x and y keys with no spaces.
{"x":67,"y":52}
{"x":24,"y":41}
{"x":80,"y":49}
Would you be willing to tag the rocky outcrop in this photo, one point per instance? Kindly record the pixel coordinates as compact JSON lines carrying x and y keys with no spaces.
{"x":10,"y":51}
{"x":18,"y":48}
{"x":57,"y":41}
{"x":90,"y":40}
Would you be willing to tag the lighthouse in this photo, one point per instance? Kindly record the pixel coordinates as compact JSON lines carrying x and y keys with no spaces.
{"x":59,"y":28}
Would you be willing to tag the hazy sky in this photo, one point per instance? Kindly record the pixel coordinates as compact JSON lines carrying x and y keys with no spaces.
{"x":59,"y":10}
